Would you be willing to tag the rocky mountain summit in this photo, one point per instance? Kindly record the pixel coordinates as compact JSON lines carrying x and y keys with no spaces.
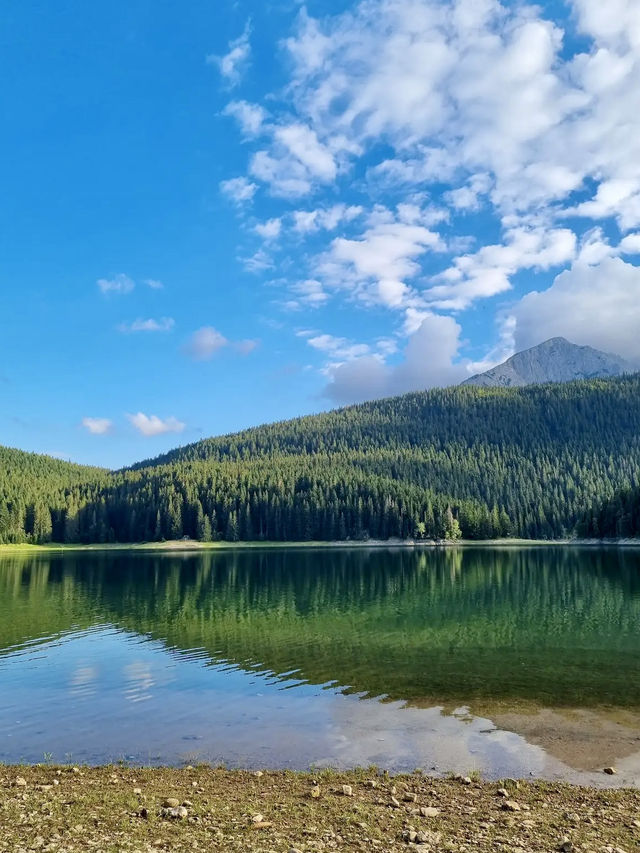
{"x":555,"y":360}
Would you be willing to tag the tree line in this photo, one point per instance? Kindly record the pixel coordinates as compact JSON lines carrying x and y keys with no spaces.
{"x":537,"y":462}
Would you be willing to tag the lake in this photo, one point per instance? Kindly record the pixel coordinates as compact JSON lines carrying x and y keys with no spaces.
{"x":505,"y":661}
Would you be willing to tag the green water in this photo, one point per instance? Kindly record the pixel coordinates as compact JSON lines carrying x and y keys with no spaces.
{"x":280,"y":634}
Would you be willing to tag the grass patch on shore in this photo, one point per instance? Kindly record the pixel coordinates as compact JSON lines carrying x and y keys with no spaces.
{"x":109,"y":809}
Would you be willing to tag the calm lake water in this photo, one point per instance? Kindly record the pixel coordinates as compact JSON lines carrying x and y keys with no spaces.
{"x":506,"y":661}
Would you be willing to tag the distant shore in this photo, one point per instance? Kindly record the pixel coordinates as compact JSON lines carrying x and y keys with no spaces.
{"x":191,"y":545}
{"x":113,"y":808}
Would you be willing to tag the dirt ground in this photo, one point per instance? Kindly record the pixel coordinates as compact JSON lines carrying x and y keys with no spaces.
{"x":109,"y":809}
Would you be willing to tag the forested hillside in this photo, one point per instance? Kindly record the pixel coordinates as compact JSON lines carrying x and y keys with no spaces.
{"x":466,"y":461}
{"x":617,"y":517}
{"x":37,"y":493}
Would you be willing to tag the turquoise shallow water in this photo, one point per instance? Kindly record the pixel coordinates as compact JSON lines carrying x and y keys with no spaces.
{"x":403,"y":658}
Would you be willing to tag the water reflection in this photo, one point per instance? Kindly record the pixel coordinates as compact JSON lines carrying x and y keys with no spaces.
{"x":266,"y":657}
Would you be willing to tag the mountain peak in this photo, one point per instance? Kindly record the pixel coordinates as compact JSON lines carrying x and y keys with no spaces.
{"x":554,"y":360}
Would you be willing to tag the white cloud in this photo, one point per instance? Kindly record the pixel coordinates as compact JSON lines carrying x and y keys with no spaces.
{"x":150,"y":425}
{"x":234,"y":63}
{"x":441,"y":109}
{"x":337,"y":347}
{"x":250,"y":117}
{"x":286,"y":176}
{"x":630,"y":245}
{"x":365,"y":378}
{"x":615,"y":23}
{"x":205,"y":343}
{"x":596,"y":305}
{"x":375,"y":267}
{"x":305,"y":221}
{"x":430,"y":360}
{"x":245,"y":347}
{"x":618,"y":197}
{"x":594,"y":248}
{"x":468,"y":196}
{"x":97,"y":426}
{"x":164,"y":324}
{"x":303,"y":144}
{"x":488,"y":271}
{"x":309,"y":292}
{"x":154,"y":284}
{"x":295,"y":163}
{"x":120,"y":283}
{"x":258,"y":262}
{"x":269,"y":230}
{"x":239,"y":189}
{"x":466,"y":88}
{"x":328,"y":219}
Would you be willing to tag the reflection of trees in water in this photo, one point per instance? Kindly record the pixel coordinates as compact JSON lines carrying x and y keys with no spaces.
{"x":558,"y":626}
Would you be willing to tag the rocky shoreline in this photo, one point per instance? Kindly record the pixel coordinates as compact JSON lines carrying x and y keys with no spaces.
{"x":117,"y":809}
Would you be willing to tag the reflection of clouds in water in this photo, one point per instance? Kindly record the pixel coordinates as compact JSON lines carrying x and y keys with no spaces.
{"x":372,"y":732}
{"x":83,"y":681}
{"x":139,"y":681}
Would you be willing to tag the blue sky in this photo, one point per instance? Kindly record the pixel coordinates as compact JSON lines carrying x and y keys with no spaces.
{"x":220,"y":214}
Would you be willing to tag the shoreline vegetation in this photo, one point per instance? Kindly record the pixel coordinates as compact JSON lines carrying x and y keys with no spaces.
{"x":116,"y":808}
{"x":191,"y":545}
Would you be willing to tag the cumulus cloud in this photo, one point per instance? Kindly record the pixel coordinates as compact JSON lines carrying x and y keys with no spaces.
{"x":468,"y":197}
{"x":375,"y":266}
{"x":489,"y":271}
{"x":630,"y":245}
{"x":309,"y":292}
{"x":493,"y":93}
{"x":250,"y":117}
{"x":441,"y":109}
{"x":365,"y":378}
{"x":205,"y":343}
{"x":154,"y":284}
{"x":235,"y":62}
{"x":430,"y":360}
{"x":164,"y":324}
{"x":150,"y":425}
{"x":296,"y":161}
{"x":328,"y":219}
{"x":596,"y":305}
{"x":245,"y":347}
{"x":258,"y":262}
{"x":617,"y":197}
{"x":479,"y":91}
{"x":337,"y":347}
{"x":97,"y":426}
{"x":270,"y":229}
{"x":239,"y":190}
{"x":120,"y":283}
{"x":302,"y":143}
